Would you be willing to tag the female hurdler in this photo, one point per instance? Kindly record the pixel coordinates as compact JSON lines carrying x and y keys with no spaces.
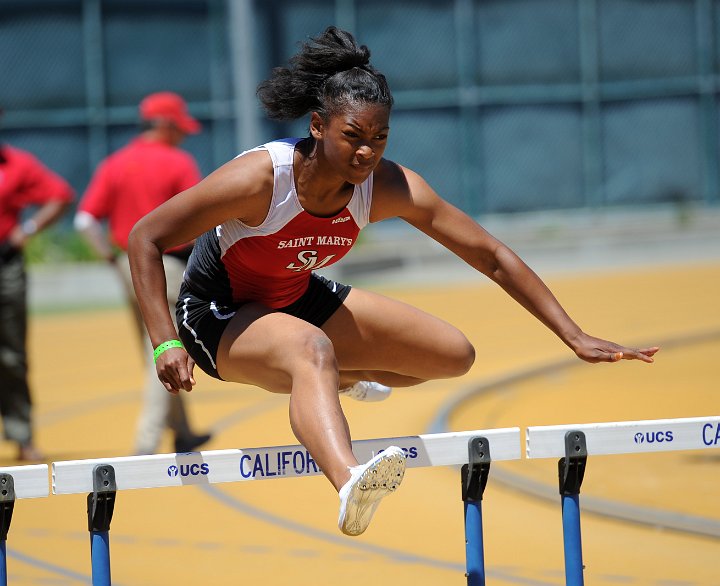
{"x":251,"y":309}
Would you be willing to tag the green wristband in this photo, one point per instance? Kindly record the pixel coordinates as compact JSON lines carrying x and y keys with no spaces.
{"x":166,"y":346}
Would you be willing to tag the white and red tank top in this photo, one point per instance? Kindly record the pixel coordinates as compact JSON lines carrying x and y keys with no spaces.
{"x":272,"y":263}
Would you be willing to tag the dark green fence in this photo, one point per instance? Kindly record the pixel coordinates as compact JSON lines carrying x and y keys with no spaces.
{"x":506,"y":105}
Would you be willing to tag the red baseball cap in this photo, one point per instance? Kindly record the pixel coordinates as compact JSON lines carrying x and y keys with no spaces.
{"x":172,"y":107}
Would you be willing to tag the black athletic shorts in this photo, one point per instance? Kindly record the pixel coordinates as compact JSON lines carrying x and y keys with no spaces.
{"x":201,"y":322}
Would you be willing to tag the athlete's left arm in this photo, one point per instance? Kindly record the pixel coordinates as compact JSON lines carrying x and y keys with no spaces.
{"x":402,"y":193}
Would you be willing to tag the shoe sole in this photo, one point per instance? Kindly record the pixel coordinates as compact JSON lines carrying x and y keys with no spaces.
{"x":377,"y":481}
{"x":367,"y":397}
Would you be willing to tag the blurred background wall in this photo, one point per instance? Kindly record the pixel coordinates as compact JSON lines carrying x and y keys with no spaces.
{"x":504,"y":105}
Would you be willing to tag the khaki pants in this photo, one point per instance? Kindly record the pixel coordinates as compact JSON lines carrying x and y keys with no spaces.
{"x":160,"y":409}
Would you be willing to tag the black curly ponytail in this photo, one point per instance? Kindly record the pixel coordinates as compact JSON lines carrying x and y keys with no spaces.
{"x":329,"y":73}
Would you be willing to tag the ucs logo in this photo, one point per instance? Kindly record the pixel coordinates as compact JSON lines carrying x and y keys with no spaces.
{"x":189,"y":470}
{"x":653,"y":437}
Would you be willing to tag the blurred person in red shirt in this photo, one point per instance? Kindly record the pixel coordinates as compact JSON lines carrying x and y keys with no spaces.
{"x":24,"y":183}
{"x":127,"y":185}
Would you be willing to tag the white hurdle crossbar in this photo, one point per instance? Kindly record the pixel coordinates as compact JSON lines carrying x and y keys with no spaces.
{"x":627,"y":437}
{"x":30,"y":481}
{"x":215,"y":466}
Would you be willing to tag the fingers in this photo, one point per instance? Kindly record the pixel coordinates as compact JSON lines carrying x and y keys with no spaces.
{"x":169,"y":388}
{"x":595,"y":350}
{"x":190,"y":368}
{"x":642,"y":354}
{"x":174,"y":368}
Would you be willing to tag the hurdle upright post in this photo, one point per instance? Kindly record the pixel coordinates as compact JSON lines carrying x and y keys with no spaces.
{"x":571,"y":471}
{"x":474,"y":476}
{"x":7,"y":504}
{"x":100,"y":507}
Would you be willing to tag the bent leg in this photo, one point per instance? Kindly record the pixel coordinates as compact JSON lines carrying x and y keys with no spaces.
{"x":284,"y":354}
{"x":379,"y":338}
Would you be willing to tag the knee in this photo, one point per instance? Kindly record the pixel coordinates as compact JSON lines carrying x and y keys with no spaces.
{"x":316,"y":349}
{"x":461,"y":356}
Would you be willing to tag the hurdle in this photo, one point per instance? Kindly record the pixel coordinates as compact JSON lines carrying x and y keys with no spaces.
{"x":102,"y":478}
{"x":473,"y":451}
{"x":17,"y":482}
{"x":573,"y":444}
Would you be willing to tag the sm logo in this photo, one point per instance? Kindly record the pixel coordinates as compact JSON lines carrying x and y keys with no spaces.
{"x":308,"y":260}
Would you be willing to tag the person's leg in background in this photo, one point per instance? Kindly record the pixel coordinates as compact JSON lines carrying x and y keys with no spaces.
{"x":160,"y":409}
{"x":15,"y":400}
{"x":177,"y":420}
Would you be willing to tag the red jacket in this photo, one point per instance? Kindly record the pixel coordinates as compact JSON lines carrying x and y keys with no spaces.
{"x":25,"y":182}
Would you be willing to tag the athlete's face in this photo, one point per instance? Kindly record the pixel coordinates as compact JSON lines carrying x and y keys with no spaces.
{"x":353,"y":141}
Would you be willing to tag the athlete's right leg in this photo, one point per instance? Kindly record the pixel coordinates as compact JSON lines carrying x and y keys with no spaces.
{"x":284,"y":354}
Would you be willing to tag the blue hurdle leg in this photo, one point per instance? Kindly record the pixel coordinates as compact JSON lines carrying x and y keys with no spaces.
{"x":7,"y":505}
{"x":3,"y":562}
{"x":100,"y":557}
{"x":473,"y":479}
{"x":474,"y":550}
{"x":100,"y":508}
{"x":572,"y":540}
{"x":571,"y":471}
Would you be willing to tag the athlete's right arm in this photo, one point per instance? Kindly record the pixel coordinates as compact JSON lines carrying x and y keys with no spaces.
{"x":242,"y":188}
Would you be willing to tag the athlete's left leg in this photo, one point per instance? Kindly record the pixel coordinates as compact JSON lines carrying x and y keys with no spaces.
{"x":382,"y":339}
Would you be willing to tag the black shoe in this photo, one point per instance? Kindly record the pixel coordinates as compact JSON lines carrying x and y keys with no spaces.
{"x":29,"y":453}
{"x":191,"y":442}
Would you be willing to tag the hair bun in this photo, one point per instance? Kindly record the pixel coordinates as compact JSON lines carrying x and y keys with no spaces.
{"x":363,"y":56}
{"x":360,"y":57}
{"x":323,"y":75}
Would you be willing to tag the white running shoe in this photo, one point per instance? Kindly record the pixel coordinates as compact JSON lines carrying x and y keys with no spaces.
{"x":360,"y":496}
{"x":367,"y":391}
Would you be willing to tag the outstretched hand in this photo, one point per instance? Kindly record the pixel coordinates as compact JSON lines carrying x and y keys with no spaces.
{"x":594,"y":350}
{"x":175,"y":370}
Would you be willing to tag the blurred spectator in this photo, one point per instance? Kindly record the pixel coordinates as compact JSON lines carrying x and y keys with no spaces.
{"x":128,"y":184}
{"x":24,"y":183}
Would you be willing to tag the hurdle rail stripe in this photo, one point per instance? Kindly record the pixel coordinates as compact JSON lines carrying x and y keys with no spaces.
{"x":627,"y":437}
{"x":29,"y":481}
{"x":216,"y":466}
